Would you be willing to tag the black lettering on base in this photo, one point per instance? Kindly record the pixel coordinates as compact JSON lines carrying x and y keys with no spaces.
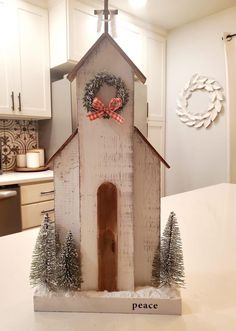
{"x":136,"y":306}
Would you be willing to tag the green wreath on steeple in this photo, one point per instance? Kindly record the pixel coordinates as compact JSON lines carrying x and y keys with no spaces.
{"x":94,"y":85}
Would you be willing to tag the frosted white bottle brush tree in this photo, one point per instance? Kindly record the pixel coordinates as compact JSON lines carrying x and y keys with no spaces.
{"x":168,"y":266}
{"x":54,"y":266}
{"x":44,"y":261}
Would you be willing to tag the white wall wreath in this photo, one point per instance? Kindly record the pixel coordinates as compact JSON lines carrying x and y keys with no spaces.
{"x":198,"y":120}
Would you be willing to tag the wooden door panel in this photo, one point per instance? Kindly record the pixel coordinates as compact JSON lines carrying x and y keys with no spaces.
{"x":107,"y":237}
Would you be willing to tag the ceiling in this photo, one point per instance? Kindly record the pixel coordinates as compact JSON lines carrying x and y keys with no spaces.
{"x":170,"y":14}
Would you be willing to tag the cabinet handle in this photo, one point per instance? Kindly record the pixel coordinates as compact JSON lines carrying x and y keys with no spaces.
{"x":46,"y":192}
{"x":19,"y":98}
{"x":47,"y":211}
{"x":12,"y":101}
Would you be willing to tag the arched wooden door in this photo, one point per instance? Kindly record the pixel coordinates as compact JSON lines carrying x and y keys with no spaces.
{"x":107,"y":237}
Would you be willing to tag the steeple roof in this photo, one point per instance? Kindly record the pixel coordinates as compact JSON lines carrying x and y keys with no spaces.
{"x":71,"y":76}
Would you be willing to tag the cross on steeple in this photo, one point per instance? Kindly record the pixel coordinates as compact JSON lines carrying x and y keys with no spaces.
{"x":106,"y":13}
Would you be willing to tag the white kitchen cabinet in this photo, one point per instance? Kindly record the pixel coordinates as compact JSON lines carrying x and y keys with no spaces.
{"x":7,"y":68}
{"x":155,"y":59}
{"x":82,"y":20}
{"x":24,"y":61}
{"x":73,"y":30}
{"x":37,"y":199}
{"x":131,"y":39}
{"x":33,"y":45}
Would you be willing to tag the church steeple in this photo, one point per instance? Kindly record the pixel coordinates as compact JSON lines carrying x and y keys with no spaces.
{"x":106,"y":13}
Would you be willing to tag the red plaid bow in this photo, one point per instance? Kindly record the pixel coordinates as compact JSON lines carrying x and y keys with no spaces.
{"x":114,"y":105}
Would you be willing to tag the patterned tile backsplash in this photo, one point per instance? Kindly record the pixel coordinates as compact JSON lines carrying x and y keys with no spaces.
{"x":17,"y":137}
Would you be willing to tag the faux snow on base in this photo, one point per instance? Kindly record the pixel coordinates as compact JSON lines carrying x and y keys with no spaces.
{"x":144,"y":300}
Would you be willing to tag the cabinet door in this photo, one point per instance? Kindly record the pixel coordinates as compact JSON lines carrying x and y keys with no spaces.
{"x":32,"y":214}
{"x":7,"y":70}
{"x":33,"y":94}
{"x":155,"y":56}
{"x":39,"y":192}
{"x":82,"y":29}
{"x":130,"y":39}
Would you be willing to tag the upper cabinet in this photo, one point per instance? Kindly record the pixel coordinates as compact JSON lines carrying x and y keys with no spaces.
{"x":24,"y":61}
{"x":131,"y":38}
{"x":7,"y":70}
{"x":73,"y":30}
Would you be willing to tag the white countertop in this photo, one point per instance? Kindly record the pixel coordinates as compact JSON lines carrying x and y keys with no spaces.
{"x":9,"y":178}
{"x":207,"y":220}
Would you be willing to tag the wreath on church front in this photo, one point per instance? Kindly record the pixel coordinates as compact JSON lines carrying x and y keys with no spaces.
{"x":95,"y":107}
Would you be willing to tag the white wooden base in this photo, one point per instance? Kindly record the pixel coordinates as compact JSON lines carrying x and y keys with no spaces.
{"x":105,"y":304}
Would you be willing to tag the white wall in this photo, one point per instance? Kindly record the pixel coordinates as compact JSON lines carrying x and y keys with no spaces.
{"x":198,"y":157}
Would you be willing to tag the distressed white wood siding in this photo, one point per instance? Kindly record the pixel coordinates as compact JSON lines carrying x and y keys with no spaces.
{"x":66,"y":182}
{"x":106,"y":154}
{"x":146,"y":209}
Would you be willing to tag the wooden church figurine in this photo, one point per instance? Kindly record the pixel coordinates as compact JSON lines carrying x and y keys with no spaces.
{"x":107,"y":178}
{"x":107,"y":182}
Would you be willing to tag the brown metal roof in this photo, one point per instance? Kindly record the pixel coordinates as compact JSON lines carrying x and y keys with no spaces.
{"x":71,"y":76}
{"x":151,"y":147}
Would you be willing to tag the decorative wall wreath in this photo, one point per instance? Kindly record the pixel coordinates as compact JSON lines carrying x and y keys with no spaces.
{"x":95,"y":107}
{"x":197,"y":120}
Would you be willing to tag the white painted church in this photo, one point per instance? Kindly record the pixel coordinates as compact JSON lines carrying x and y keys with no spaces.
{"x":107,"y":183}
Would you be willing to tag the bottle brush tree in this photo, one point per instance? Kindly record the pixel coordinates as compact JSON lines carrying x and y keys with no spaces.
{"x":69,"y":267}
{"x":156,"y":268}
{"x":171,"y":257}
{"x":43,"y":267}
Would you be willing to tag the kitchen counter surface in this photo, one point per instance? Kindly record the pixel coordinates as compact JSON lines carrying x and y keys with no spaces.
{"x":11,"y":178}
{"x":207,"y":223}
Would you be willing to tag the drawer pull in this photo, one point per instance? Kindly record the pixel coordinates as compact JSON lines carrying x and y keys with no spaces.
{"x":47,"y":211}
{"x":46,"y":192}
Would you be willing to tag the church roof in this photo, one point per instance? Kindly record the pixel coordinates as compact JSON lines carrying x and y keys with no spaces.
{"x":62,"y":146}
{"x":71,"y":76}
{"x":151,"y":147}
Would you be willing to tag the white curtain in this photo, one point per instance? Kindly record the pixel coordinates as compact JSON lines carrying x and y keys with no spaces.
{"x":230,"y":55}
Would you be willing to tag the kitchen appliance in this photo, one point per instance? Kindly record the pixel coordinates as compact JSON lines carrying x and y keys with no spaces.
{"x":54,"y":132}
{"x":10,"y":212}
